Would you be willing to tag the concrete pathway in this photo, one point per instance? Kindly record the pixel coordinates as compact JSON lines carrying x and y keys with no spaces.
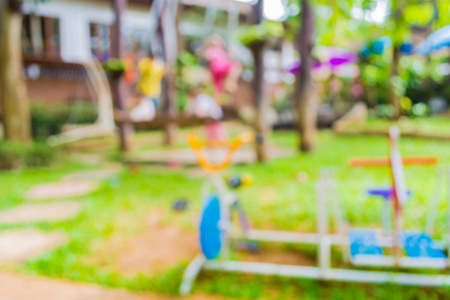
{"x":63,"y":189}
{"x":17,"y":246}
{"x":20,"y":287}
{"x":42,"y":212}
{"x":99,"y":175}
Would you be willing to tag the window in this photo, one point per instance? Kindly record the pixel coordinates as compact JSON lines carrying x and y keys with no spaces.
{"x":100,"y":41}
{"x":40,"y":36}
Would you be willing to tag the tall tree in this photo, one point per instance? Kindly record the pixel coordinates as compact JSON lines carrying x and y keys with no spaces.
{"x":397,"y":35}
{"x":260,"y":99}
{"x":170,"y":38}
{"x":404,"y":15}
{"x":118,"y":85}
{"x":305,"y":101}
{"x":393,"y":97}
{"x":16,"y":114}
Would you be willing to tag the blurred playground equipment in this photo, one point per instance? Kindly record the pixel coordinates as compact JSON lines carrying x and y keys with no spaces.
{"x":421,"y":250}
{"x":435,"y":41}
{"x":362,"y":247}
{"x":104,"y":125}
{"x":152,"y":75}
{"x":218,"y":201}
{"x":387,"y":193}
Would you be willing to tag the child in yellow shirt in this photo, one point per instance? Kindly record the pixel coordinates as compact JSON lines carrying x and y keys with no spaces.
{"x":151,"y":74}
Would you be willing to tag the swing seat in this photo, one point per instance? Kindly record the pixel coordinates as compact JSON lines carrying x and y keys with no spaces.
{"x":420,"y":244}
{"x":385,"y":193}
{"x":364,"y":242}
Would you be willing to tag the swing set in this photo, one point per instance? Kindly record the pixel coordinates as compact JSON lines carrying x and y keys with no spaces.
{"x":360,"y":247}
{"x":164,"y":14}
{"x":104,"y":125}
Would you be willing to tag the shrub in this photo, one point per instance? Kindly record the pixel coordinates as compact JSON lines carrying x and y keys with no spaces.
{"x":14,"y":155}
{"x":114,"y":65}
{"x":49,"y":119}
{"x":10,"y":154}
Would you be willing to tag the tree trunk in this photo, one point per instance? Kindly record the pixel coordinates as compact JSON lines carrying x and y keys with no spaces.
{"x":118,"y":85}
{"x":170,"y":108}
{"x":306,"y":105}
{"x":393,"y":98}
{"x":180,"y":39}
{"x":260,"y":99}
{"x":16,"y":113}
{"x":260,"y":103}
{"x":169,"y":98}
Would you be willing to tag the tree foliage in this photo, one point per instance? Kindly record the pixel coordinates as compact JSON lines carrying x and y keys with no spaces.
{"x":260,"y":33}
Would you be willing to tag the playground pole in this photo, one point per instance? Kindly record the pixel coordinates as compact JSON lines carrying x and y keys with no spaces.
{"x":118,"y":85}
{"x":260,"y":100}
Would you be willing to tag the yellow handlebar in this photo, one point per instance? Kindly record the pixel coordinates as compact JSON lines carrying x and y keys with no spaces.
{"x":233,"y":145}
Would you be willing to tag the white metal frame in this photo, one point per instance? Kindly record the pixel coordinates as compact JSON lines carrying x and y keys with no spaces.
{"x":324,"y":241}
{"x":324,"y":270}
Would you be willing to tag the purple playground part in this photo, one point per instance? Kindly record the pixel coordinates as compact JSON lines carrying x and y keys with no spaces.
{"x":386,"y":193}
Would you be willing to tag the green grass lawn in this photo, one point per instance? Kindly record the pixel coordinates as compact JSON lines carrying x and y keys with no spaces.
{"x":275,"y":200}
{"x":435,"y":126}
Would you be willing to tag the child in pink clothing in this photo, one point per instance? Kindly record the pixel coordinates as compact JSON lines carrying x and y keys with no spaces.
{"x":223,"y":70}
{"x":221,"y":67}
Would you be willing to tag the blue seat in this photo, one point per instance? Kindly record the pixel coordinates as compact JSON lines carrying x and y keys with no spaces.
{"x":385,"y":193}
{"x":364,"y":241}
{"x":420,"y":244}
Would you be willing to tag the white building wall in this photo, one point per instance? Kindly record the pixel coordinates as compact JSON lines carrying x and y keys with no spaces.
{"x":74,"y":19}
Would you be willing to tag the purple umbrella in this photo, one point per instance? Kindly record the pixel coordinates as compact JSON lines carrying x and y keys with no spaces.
{"x":335,"y":58}
{"x":295,"y":68}
{"x":345,"y":58}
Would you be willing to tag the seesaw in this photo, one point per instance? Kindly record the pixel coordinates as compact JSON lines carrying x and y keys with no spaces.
{"x":407,"y":161}
{"x":366,"y":245}
{"x":363,"y":246}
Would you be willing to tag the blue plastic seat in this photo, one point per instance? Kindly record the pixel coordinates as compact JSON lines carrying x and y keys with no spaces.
{"x":364,"y":241}
{"x":420,"y":244}
{"x":385,"y":193}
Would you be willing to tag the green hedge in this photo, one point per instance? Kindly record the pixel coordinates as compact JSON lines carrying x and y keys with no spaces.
{"x":48,"y":119}
{"x":14,"y":155}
